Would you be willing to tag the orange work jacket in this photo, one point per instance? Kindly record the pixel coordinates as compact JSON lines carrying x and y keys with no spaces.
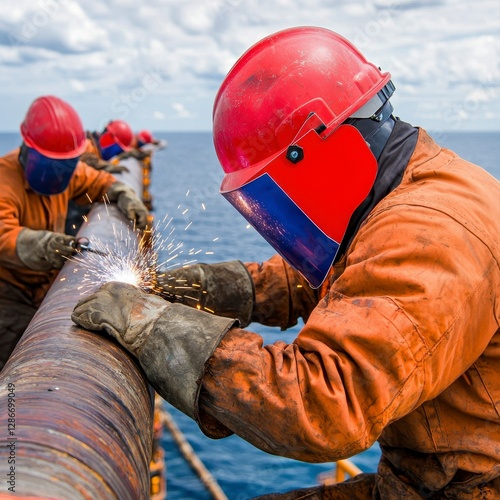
{"x":401,"y":346}
{"x":21,"y":207}
{"x":92,"y":146}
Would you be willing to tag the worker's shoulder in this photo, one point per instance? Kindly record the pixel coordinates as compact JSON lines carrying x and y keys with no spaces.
{"x":447,"y":192}
{"x":437,"y":175}
{"x":10,"y":160}
{"x":11,"y":173}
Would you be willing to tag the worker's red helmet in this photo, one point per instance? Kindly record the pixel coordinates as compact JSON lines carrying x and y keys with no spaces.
{"x":291,"y":168}
{"x":54,"y":139}
{"x":53,"y":128}
{"x":144,"y":137}
{"x":116,"y":138}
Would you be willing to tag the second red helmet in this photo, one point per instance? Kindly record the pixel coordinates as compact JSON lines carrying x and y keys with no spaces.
{"x":117,"y":132}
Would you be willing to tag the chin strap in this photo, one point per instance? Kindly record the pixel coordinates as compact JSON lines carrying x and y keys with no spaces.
{"x":376,"y":129}
{"x":23,"y":154}
{"x":374,"y":120}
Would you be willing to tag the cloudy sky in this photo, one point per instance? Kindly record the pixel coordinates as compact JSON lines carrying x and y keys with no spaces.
{"x":158,"y":63}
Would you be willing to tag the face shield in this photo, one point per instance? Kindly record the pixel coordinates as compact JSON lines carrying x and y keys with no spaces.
{"x":110,"y":146}
{"x":47,"y":176}
{"x":109,"y":152}
{"x":302,"y":199}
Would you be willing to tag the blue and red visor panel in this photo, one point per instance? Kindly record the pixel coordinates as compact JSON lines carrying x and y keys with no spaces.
{"x":109,"y":152}
{"x":286,"y":227}
{"x":302,"y":207}
{"x":48,"y":176}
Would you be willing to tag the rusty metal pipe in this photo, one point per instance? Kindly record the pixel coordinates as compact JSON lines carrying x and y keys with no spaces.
{"x":76,"y":412}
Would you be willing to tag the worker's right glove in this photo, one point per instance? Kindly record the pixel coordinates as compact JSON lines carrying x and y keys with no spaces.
{"x":44,"y":250}
{"x":129,"y":203}
{"x":171,"y":341}
{"x":225,"y":289}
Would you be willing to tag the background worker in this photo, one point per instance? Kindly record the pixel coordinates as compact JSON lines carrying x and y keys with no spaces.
{"x":38,"y":180}
{"x":388,"y":249}
{"x":146,"y":137}
{"x":103,"y":152}
{"x":116,"y":138}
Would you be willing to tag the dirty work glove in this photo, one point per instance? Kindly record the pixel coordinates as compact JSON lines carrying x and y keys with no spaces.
{"x":129,"y":203}
{"x":98,"y":164}
{"x":134,"y":153}
{"x":44,"y":250}
{"x":172,"y":342}
{"x":225,"y":289}
{"x":112,"y":168}
{"x":116,"y":169}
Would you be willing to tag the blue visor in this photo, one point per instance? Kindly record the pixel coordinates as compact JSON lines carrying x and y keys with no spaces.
{"x":285,"y":227}
{"x":48,"y":176}
{"x":111,"y":151}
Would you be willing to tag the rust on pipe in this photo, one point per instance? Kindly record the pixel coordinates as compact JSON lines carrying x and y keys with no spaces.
{"x":76,"y":412}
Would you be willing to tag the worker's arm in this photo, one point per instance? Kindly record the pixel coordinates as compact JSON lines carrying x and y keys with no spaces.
{"x":38,"y":250}
{"x":271,"y":293}
{"x":88,"y":185}
{"x":282,"y":295}
{"x":9,"y":231}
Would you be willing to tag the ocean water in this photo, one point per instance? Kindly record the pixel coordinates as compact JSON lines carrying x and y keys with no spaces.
{"x":185,"y":188}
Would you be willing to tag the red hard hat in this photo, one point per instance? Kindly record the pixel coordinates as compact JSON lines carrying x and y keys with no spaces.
{"x":273,"y":87}
{"x":292,"y":169}
{"x":117,"y":132}
{"x":53,"y":128}
{"x":145,"y":136}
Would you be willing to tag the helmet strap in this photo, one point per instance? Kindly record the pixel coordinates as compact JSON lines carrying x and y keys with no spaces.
{"x":376,"y":129}
{"x":23,"y":154}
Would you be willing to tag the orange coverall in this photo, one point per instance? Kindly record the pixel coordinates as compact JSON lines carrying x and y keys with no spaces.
{"x":21,"y":289}
{"x":401,"y":346}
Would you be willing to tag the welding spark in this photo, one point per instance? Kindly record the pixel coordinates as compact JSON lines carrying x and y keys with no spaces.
{"x":129,"y":256}
{"x":132,"y":257}
{"x":143,"y":259}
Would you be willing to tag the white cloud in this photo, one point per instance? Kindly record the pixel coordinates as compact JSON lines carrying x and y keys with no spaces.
{"x":180,"y":110}
{"x":136,"y":59}
{"x":77,"y":85}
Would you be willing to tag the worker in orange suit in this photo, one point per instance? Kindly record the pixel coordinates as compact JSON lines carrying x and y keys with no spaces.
{"x":116,"y":139}
{"x":145,"y":137}
{"x":103,"y":151}
{"x":388,"y":249}
{"x":38,"y":180}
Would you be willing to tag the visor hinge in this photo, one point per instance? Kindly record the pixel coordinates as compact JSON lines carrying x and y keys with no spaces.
{"x":294,"y":153}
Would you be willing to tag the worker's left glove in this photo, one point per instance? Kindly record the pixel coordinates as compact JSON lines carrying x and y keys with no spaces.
{"x":44,"y":250}
{"x":129,"y":203}
{"x":224,"y":288}
{"x":172,"y":342}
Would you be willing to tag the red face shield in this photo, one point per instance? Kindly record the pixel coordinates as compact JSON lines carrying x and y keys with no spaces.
{"x":301,"y":201}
